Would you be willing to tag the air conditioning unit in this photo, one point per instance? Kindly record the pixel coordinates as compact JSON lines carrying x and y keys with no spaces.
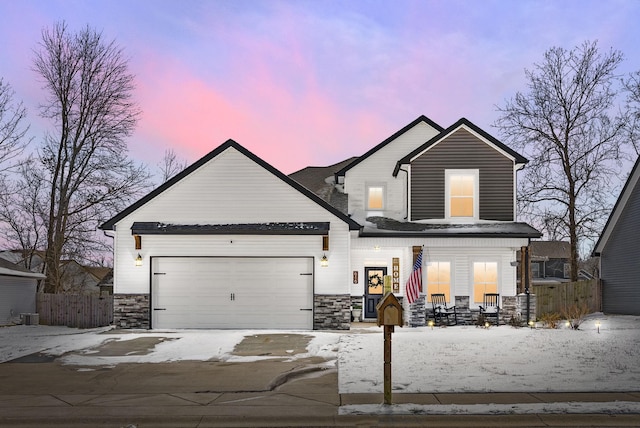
{"x":30,"y":319}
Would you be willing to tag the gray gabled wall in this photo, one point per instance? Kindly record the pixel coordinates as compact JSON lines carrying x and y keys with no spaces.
{"x":462,"y":150}
{"x":620,"y":261}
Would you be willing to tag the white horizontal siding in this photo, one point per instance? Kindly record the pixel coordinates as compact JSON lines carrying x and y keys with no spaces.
{"x":231,"y":189}
{"x":378,"y":168}
{"x":461,"y":252}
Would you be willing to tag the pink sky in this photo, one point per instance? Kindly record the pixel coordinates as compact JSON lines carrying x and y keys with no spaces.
{"x":312,"y":83}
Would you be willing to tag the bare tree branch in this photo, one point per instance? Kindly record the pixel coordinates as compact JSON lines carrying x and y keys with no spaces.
{"x":575,"y":137}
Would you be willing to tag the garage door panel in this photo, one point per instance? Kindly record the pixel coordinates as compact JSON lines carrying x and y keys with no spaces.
{"x":220,"y":292}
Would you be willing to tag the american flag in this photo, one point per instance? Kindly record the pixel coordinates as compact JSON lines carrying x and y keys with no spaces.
{"x":414,"y":284}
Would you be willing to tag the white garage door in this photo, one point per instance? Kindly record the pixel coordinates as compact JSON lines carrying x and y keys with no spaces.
{"x":229,"y":292}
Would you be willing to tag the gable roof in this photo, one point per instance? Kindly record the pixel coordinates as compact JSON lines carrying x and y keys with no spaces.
{"x":450,"y":130}
{"x":625,"y":194}
{"x":109,"y":224}
{"x":420,"y":119}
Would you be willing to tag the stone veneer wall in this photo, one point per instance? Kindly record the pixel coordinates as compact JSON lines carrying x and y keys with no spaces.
{"x":131,"y":311}
{"x":332,"y":312}
{"x":416,"y":312}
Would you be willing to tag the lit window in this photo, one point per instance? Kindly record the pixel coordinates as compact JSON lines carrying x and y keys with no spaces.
{"x":485,"y":279}
{"x":439,"y":279}
{"x":462,"y":193}
{"x":375,"y":197}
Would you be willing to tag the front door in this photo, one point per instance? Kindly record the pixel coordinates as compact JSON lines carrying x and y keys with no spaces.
{"x":374,"y":289}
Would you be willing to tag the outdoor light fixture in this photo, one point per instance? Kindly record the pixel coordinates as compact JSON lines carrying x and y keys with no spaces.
{"x":139,"y":260}
{"x":376,"y":248}
{"x":431,"y":323}
{"x":486,"y":324}
{"x":324,"y":261}
{"x":598,"y":326}
{"x":531,"y":324}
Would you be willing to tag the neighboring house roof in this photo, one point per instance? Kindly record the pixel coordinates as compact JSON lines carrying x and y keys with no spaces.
{"x":109,"y":224}
{"x":519,"y":159}
{"x":382,"y":226}
{"x":629,"y":187}
{"x":11,"y":269}
{"x":359,"y":159}
{"x":545,"y":250}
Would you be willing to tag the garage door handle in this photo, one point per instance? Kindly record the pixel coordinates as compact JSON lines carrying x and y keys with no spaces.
{"x":306,"y":309}
{"x":159,"y":309}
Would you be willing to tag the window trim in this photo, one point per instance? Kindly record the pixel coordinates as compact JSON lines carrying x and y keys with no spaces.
{"x":475,"y":173}
{"x":473,"y":278}
{"x":451,"y":279}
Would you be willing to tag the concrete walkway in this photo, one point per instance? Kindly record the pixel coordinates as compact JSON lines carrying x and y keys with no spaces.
{"x":39,"y":391}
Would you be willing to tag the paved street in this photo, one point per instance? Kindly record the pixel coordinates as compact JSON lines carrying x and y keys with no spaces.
{"x":39,"y":391}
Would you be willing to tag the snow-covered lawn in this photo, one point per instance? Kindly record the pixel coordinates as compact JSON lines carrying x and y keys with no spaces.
{"x":498,"y":359}
{"x":451,"y":359}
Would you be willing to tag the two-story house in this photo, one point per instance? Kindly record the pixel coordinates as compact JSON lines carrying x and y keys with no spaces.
{"x":449,"y":191}
{"x":231,"y":242}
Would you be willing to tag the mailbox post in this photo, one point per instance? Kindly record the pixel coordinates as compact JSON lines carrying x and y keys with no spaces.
{"x":390,"y":314}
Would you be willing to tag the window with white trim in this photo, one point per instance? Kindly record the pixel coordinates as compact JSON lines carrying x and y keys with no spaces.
{"x":439,"y":279}
{"x":485,"y":279}
{"x":461,"y":190}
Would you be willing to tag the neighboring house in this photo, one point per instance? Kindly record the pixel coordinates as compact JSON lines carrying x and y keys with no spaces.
{"x":79,"y":279}
{"x":550,"y":262}
{"x":619,"y":253}
{"x":18,"y":287}
{"x":231,"y":242}
{"x":76,"y":278}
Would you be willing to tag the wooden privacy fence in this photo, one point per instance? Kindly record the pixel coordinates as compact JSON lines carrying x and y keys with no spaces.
{"x":556,"y":298}
{"x":74,"y":310}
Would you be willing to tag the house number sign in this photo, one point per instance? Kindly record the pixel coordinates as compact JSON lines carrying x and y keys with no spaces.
{"x":395,"y":277}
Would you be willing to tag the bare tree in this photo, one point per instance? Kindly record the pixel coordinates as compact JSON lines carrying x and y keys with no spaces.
{"x":23,"y":212}
{"x":170,"y":165}
{"x":83,"y":159}
{"x":633,"y":103}
{"x":570,"y":127}
{"x":12,"y":127}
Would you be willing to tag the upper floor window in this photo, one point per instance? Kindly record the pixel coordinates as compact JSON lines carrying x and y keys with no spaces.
{"x":375,"y":197}
{"x":461,"y":189}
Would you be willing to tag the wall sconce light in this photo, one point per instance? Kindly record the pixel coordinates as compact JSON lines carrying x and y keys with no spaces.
{"x":324,"y":261}
{"x":325,"y":243}
{"x":139,"y":260}
{"x":376,"y":248}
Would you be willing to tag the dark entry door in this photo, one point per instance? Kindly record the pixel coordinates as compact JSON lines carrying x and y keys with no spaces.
{"x":374,"y":289}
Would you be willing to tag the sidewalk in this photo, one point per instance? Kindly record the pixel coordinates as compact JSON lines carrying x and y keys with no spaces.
{"x":309,"y":400}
